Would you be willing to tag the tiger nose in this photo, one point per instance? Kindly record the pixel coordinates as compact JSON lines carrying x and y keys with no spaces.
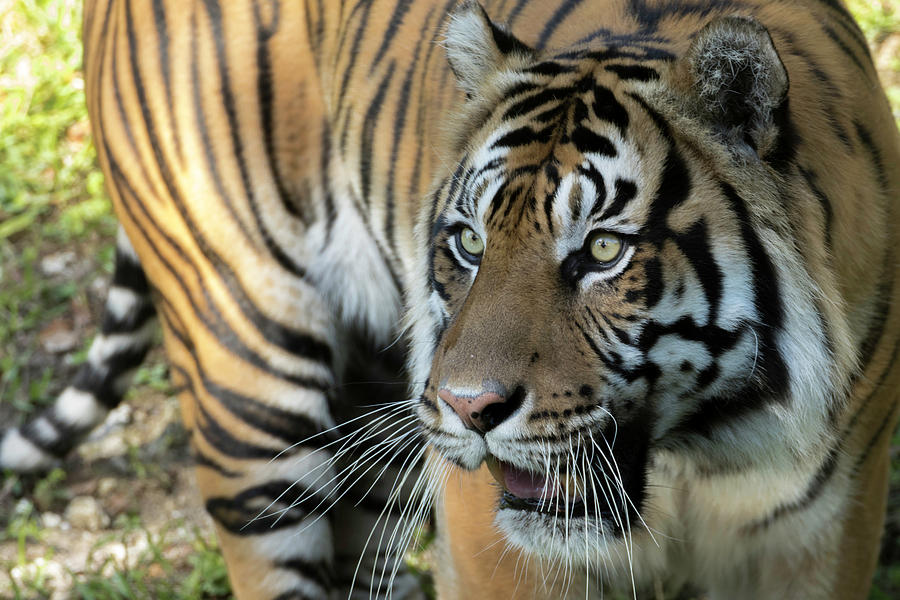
{"x":482,"y":412}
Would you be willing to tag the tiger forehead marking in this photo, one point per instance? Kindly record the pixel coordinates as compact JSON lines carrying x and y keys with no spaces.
{"x":547,"y":161}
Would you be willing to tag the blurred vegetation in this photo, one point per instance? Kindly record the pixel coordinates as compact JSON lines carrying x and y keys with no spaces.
{"x":52,"y":204}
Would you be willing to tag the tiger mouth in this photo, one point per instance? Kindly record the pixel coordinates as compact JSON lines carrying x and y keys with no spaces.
{"x":525,"y":490}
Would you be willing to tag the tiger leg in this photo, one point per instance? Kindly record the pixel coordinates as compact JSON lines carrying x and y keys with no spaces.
{"x":125,"y":337}
{"x":293,"y":514}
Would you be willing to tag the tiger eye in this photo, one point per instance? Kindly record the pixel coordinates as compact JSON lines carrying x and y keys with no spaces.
{"x":606,"y":247}
{"x":471,"y":242}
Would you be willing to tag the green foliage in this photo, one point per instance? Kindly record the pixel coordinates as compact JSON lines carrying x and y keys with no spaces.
{"x":154,"y":576}
{"x":877,"y":18}
{"x":51,"y":191}
{"x":49,"y":163}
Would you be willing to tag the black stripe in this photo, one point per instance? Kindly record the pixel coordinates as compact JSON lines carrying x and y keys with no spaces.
{"x":129,"y":274}
{"x":828,"y":467}
{"x":266,"y":95}
{"x":831,"y":33}
{"x":767,"y":299}
{"x":625,"y":192}
{"x":286,"y":338}
{"x":367,"y":136}
{"x":297,"y":343}
{"x":130,"y":322}
{"x":201,"y":459}
{"x":325,"y":180}
{"x":227,"y":444}
{"x":865,"y":136}
{"x":65,"y":437}
{"x":162,"y":34}
{"x":235,"y":513}
{"x":358,"y":34}
{"x":523,"y":136}
{"x":102,"y":383}
{"x":608,"y":108}
{"x":555,"y":20}
{"x":212,"y":162}
{"x":531,"y":103}
{"x":849,"y":24}
{"x":694,"y":244}
{"x":633,"y":72}
{"x":400,"y":119}
{"x":214,"y":13}
{"x":596,"y":178}
{"x":393,"y":26}
{"x":824,"y":203}
{"x":586,"y":141}
{"x":655,"y":286}
{"x":813,"y":491}
{"x":517,"y":10}
{"x":124,"y":123}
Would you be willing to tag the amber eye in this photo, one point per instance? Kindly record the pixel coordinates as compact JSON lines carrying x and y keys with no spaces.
{"x":606,"y":247}
{"x":470,"y":242}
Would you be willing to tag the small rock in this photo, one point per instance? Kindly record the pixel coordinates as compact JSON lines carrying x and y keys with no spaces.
{"x":117,"y":418}
{"x":85,"y":512}
{"x":57,"y":263}
{"x":51,"y":520}
{"x":59,"y":336}
{"x":106,"y":486}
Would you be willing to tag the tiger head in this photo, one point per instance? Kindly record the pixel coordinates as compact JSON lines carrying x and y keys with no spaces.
{"x":611,"y":292}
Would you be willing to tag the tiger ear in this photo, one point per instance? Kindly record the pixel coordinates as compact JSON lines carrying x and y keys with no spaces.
{"x":739,"y":79}
{"x":477,"y":47}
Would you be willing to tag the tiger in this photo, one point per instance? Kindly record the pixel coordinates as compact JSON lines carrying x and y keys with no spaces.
{"x":604,"y":288}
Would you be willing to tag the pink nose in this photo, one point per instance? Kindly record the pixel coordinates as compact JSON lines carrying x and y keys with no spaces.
{"x":482,"y":412}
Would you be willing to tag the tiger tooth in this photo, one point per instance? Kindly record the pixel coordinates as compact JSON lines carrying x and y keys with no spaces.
{"x":493,"y":466}
{"x":571,"y":486}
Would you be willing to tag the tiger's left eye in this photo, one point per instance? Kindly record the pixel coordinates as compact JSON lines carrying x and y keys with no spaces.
{"x":471,"y":242}
{"x":606,"y":247}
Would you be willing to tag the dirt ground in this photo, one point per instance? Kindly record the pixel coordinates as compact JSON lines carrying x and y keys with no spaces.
{"x":124,"y":504}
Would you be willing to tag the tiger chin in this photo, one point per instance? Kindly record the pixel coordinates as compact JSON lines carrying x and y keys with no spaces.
{"x":652,"y":362}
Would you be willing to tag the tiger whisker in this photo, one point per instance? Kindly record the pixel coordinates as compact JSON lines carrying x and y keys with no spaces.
{"x":312,"y":488}
{"x":417,"y":518}
{"x":346,"y":441}
{"x":380,"y":408}
{"x":399,"y":483}
{"x":395,"y":492}
{"x":409,"y":437}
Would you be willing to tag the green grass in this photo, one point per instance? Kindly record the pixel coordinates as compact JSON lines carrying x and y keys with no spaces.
{"x":155,"y":576}
{"x":52,"y":199}
{"x":51,"y":192}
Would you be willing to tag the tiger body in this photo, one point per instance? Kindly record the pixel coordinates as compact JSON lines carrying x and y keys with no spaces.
{"x":295,"y":178}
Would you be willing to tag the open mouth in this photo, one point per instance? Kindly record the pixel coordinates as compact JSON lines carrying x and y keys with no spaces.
{"x":562,"y":495}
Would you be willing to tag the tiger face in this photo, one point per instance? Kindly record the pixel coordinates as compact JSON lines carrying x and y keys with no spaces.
{"x":612,"y":293}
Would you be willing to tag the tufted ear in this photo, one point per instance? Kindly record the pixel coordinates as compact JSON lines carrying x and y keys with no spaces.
{"x":476,"y":47}
{"x":739,"y":78}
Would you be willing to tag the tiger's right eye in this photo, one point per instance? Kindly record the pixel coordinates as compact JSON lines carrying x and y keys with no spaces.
{"x":470,"y":243}
{"x":606,"y":247}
